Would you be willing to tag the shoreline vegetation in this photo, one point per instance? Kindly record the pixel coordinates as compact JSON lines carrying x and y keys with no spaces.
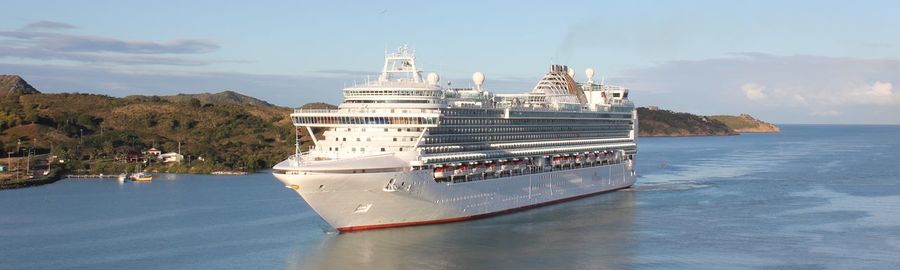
{"x":221,"y":133}
{"x":88,"y":134}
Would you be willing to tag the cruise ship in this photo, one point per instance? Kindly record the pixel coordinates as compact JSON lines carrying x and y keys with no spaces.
{"x":403,"y":150}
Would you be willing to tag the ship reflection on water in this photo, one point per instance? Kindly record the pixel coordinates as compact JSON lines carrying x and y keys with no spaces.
{"x":537,"y":238}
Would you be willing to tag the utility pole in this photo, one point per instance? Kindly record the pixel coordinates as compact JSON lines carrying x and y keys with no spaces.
{"x":28,"y":163}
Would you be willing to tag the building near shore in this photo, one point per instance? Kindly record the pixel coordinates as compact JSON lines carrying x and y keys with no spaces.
{"x":153,"y":151}
{"x":171,"y":157}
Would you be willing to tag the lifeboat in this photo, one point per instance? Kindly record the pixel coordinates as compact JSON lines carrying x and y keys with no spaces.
{"x":502,"y":166}
{"x":490,"y":167}
{"x":460,"y":170}
{"x":557,"y":161}
{"x":439,"y":172}
{"x":519,"y":165}
{"x":570,"y":160}
{"x":477,"y":169}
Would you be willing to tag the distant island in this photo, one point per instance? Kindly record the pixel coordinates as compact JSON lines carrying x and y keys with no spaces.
{"x":654,"y":122}
{"x":207,"y":132}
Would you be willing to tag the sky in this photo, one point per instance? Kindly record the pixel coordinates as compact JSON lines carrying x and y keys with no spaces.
{"x":815,"y":62}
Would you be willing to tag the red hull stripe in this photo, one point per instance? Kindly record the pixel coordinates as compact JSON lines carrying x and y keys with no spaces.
{"x":458,"y":219}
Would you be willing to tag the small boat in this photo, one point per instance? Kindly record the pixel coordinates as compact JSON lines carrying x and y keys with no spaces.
{"x":122,"y":177}
{"x":142,"y":177}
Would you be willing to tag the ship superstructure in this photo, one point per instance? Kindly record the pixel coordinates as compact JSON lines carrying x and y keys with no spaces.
{"x":403,"y":150}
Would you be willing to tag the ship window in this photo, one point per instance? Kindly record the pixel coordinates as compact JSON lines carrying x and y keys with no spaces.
{"x":354,"y":149}
{"x":358,"y":140}
{"x":401,"y":149}
{"x":395,"y":139}
{"x":385,"y":130}
{"x":345,"y":139}
{"x":335,"y":139}
{"x":382,"y":149}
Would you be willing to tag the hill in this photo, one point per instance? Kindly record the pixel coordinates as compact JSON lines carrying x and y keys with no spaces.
{"x":13,"y":85}
{"x":225,"y":97}
{"x":656,"y":122}
{"x":228,"y":130}
{"x":745,"y":123}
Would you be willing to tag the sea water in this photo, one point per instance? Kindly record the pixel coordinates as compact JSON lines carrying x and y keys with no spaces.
{"x":810,"y":197}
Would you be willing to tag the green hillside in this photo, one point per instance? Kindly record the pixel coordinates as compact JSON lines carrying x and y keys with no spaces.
{"x":656,"y":122}
{"x":237,"y":133}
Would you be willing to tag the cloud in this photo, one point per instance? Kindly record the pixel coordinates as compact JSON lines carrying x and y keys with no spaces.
{"x":826,"y":113}
{"x":34,"y":42}
{"x":346,"y":72}
{"x":126,"y":59}
{"x":794,"y":88}
{"x":83,"y":43}
{"x":46,"y":25}
{"x":284,"y":90}
{"x":754,"y":91}
{"x":883,"y":91}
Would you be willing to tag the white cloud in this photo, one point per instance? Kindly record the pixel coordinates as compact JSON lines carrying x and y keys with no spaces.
{"x":787,"y":89}
{"x":880,"y":93}
{"x":39,"y":41}
{"x":826,"y":113}
{"x":754,"y":91}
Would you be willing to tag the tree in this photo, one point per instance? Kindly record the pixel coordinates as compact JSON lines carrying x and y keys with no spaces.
{"x":195,"y":103}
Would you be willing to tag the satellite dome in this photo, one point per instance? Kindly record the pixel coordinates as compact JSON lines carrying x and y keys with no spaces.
{"x":478,"y":78}
{"x":590,"y":74}
{"x":571,"y":72}
{"x":433,"y":78}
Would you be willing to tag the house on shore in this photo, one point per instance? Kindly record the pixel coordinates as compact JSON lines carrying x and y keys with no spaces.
{"x":171,"y":157}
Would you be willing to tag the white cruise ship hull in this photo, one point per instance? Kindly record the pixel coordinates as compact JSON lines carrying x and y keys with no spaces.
{"x":360,"y":201}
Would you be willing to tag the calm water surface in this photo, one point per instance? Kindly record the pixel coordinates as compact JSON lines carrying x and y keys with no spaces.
{"x":811,"y":197}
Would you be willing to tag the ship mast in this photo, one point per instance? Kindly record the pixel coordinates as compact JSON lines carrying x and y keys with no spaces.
{"x":401,"y":64}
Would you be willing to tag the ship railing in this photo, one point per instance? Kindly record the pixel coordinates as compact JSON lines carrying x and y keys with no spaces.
{"x":552,"y":109}
{"x":366,"y":110}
